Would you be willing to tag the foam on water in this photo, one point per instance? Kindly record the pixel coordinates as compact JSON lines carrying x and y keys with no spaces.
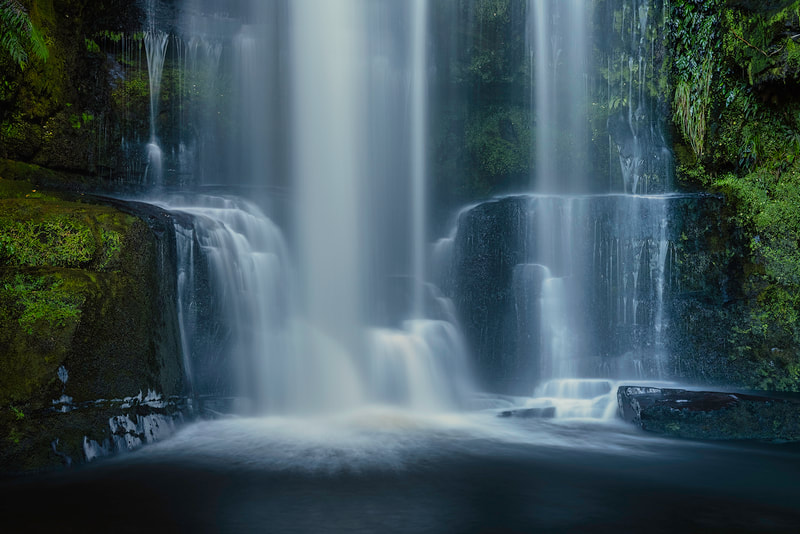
{"x":380,"y":437}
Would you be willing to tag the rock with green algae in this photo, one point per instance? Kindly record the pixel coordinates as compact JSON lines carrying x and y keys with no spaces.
{"x":85,"y":314}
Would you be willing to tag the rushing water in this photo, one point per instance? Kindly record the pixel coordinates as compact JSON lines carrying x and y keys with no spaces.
{"x":324,"y":305}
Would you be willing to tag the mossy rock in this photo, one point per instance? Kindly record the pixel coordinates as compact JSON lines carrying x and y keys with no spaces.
{"x":86,"y":312}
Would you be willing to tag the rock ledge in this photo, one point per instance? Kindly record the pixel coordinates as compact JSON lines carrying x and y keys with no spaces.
{"x":711,"y":415}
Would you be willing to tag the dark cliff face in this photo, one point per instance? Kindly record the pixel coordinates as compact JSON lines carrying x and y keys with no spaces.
{"x":655,"y":287}
{"x":488,"y":245}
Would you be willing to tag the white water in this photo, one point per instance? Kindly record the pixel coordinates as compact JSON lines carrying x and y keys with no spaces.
{"x":248,"y":283}
{"x":265,"y":353}
{"x":327,"y":43}
{"x":558,"y":35}
{"x":591,"y":290}
{"x":324,"y":307}
{"x":155,"y":44}
{"x":419,"y":140}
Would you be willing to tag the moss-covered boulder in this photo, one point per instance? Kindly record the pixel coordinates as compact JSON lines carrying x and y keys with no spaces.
{"x":86,"y":313}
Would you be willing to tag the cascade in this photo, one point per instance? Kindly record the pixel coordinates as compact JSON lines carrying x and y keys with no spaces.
{"x":417,"y":152}
{"x":603,"y":256}
{"x":558,"y":37}
{"x":311,"y":295}
{"x":233,"y":275}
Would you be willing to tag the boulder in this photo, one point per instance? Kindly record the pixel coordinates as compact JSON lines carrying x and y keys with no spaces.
{"x":710,"y":415}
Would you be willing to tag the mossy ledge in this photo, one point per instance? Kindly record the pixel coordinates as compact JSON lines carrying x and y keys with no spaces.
{"x":86,"y":313}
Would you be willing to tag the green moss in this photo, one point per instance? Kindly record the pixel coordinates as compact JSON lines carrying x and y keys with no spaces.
{"x":42,"y":299}
{"x":499,"y":141}
{"x":40,"y":230}
{"x":30,"y":175}
{"x":39,"y":314}
{"x":59,"y":240}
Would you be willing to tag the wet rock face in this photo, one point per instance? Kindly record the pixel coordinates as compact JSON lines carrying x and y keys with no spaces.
{"x":710,"y":415}
{"x":643,"y":280}
{"x":489,"y":244}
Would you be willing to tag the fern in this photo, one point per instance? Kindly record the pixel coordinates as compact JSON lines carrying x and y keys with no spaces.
{"x":18,"y":35}
{"x":691,"y":104}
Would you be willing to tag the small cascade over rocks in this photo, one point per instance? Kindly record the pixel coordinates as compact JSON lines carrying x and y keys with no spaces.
{"x":233,"y":286}
{"x":245,"y":339}
{"x":576,"y":283}
{"x":585,"y":398}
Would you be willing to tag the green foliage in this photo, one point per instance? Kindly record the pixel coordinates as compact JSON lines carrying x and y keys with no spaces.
{"x":43,"y":298}
{"x":57,"y":240}
{"x":780,"y":373}
{"x":694,"y":30}
{"x":92,"y":46}
{"x":134,"y":91}
{"x":497,"y":53}
{"x":111,"y":243}
{"x":18,"y":35}
{"x":18,"y":414}
{"x":758,"y":42}
{"x":499,"y":141}
{"x":109,"y":35}
{"x":766,"y":208}
{"x":76,"y":121}
{"x":749,"y":150}
{"x":691,"y":113}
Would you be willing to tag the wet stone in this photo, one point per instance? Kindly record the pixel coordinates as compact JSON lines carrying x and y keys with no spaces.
{"x":711,"y":415}
{"x":547,"y":412}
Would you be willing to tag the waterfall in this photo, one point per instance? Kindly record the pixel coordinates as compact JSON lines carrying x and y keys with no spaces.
{"x":234,"y":282}
{"x":317,"y":114}
{"x":419,"y":113}
{"x":558,"y":36}
{"x":597,"y":294}
{"x":327,"y":42}
{"x":155,"y":45}
{"x":302,"y":227}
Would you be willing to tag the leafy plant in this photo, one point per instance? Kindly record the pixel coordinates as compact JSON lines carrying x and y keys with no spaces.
{"x":18,"y":414}
{"x":694,"y":30}
{"x":18,"y":35}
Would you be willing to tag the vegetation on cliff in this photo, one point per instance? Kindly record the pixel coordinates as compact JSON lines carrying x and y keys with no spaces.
{"x":736,"y":79}
{"x":19,"y":38}
{"x":57,"y":111}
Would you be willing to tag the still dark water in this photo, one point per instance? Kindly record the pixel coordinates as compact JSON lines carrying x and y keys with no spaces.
{"x":386,"y":472}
